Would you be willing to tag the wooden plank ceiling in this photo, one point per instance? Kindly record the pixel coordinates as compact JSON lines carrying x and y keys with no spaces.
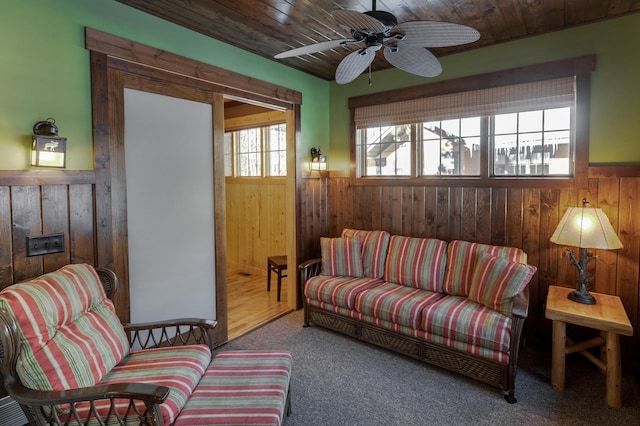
{"x":268,"y":27}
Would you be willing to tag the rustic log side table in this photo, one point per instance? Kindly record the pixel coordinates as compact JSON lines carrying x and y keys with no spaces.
{"x":608,"y":316}
{"x":276,"y":264}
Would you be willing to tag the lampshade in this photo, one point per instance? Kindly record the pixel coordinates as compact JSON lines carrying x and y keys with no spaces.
{"x":48,"y":149}
{"x":586,"y":227}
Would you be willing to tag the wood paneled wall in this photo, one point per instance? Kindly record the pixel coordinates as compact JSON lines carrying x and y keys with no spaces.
{"x":44,"y":203}
{"x":256,"y":225}
{"x":519,"y":217}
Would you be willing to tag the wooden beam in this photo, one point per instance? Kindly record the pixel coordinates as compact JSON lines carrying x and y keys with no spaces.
{"x":111,"y":45}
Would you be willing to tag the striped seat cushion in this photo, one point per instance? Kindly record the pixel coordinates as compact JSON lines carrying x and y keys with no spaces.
{"x":339,"y":291}
{"x":396,"y":303}
{"x":374,"y":249}
{"x":242,"y":388}
{"x":70,"y":336}
{"x":461,"y":263}
{"x":470,"y":327}
{"x":179,"y":368}
{"x":416,"y":262}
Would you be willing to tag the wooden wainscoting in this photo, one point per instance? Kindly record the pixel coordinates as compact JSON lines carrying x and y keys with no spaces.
{"x":519,"y":217}
{"x":37,"y":203}
{"x":256,"y":227}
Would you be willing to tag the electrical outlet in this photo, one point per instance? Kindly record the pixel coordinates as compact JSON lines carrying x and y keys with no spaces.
{"x":45,"y":244}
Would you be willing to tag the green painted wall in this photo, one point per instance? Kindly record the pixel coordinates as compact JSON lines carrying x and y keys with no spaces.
{"x":44,"y":72}
{"x":615,"y":85}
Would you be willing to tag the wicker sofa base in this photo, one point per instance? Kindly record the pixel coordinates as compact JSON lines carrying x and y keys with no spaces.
{"x":482,"y":369}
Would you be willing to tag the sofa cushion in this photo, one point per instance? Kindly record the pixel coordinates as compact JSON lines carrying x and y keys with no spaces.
{"x":341,"y":256}
{"x":241,"y":387}
{"x":374,"y":249}
{"x":496,"y":281}
{"x":461,"y":263}
{"x":459,"y":323}
{"x":396,"y":303}
{"x":180,"y":368}
{"x":416,"y":262}
{"x":70,"y":336}
{"x":339,"y":291}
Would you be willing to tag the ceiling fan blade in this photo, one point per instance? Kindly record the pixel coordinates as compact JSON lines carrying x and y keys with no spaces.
{"x":314,"y":48}
{"x":353,"y":65}
{"x":358,"y":21}
{"x":413,"y":59}
{"x":435,"y":33}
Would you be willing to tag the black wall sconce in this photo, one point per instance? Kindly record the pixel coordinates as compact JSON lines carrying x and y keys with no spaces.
{"x":318,"y":161}
{"x":48,"y":149}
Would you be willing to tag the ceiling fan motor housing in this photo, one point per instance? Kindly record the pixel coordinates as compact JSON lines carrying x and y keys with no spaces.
{"x":387,"y":19}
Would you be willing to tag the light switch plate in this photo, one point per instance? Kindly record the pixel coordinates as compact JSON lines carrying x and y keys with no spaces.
{"x":45,"y":244}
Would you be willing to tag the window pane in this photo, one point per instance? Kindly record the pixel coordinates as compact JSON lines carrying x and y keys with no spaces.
{"x":557,"y":119}
{"x":228,"y":159}
{"x":558,"y":148}
{"x":506,"y":123}
{"x":276,"y":150}
{"x":431,"y":157}
{"x":505,"y":155}
{"x":530,"y":121}
{"x":248,"y":152}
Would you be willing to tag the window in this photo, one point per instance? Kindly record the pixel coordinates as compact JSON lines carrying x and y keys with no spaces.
{"x":256,"y":152}
{"x":528,"y":129}
{"x":532,"y":143}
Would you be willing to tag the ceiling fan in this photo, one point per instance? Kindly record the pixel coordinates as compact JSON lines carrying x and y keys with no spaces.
{"x":404,"y":44}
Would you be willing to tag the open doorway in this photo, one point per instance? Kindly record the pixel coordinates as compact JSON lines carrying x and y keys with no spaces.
{"x":117,"y":64}
{"x":255,"y":186}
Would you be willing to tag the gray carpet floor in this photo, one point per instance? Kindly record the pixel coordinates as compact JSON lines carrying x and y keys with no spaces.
{"x":339,"y":381}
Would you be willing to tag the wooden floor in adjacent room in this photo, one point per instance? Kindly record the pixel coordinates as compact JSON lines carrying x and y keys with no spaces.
{"x":250,"y":304}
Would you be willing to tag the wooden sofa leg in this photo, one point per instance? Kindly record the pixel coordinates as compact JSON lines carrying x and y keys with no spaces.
{"x":306,"y":324}
{"x":288,"y":409}
{"x":510,"y":397}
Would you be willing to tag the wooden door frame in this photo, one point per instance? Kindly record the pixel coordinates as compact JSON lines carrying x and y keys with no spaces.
{"x":115,"y":63}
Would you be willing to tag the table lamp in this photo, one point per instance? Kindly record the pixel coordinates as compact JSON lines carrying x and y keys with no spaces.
{"x":586,"y":228}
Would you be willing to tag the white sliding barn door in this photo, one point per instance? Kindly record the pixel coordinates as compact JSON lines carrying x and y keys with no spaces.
{"x":170,"y":207}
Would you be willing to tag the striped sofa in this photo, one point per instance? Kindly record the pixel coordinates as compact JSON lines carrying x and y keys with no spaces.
{"x":66,"y":359}
{"x":459,"y":305}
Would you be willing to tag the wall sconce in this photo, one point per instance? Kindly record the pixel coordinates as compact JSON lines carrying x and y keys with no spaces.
{"x":585,"y":227}
{"x":48,"y":149}
{"x":318,"y":161}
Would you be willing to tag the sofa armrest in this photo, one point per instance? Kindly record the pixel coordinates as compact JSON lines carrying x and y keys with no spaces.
{"x":521,"y":303}
{"x":154,"y":394}
{"x":174,"y":332}
{"x":309,"y":268}
{"x":43,"y":407}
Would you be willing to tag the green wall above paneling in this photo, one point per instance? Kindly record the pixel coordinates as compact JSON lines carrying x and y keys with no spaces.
{"x":615,"y":85}
{"x":44,"y":72}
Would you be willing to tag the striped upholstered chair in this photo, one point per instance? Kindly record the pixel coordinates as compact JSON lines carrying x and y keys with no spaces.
{"x":66,"y":359}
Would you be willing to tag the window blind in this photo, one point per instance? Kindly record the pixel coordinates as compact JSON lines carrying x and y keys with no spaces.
{"x":543,"y":94}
